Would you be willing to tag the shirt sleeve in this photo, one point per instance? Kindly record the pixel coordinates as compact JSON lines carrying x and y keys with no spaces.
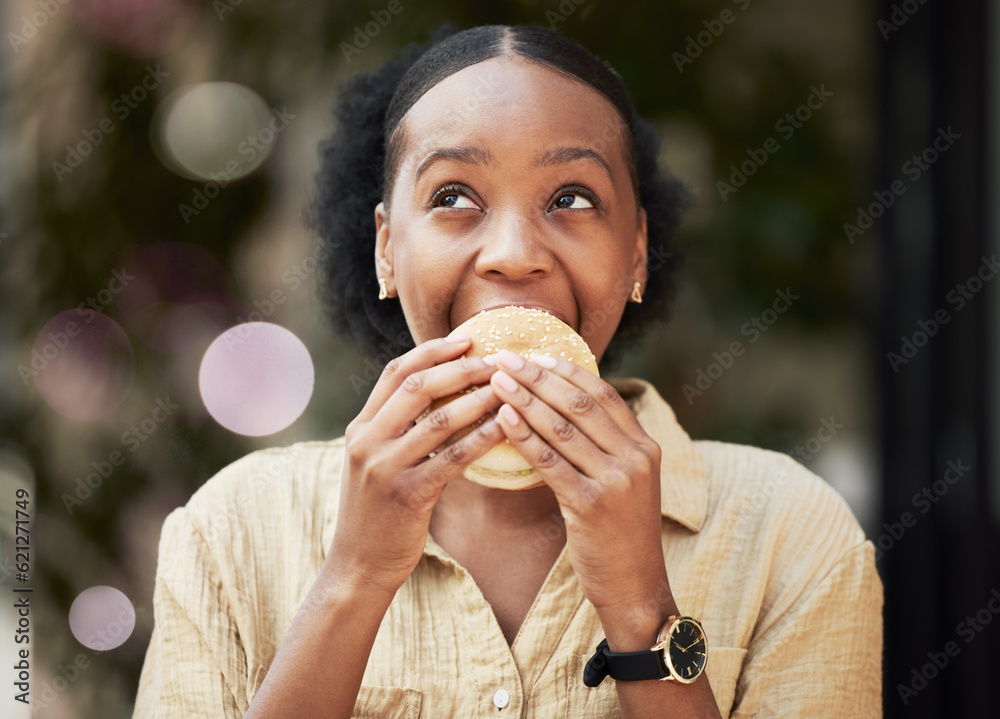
{"x":195,"y":663}
{"x":822,"y":658}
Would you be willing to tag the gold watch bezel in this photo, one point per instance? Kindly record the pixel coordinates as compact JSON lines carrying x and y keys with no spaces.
{"x":662,"y":646}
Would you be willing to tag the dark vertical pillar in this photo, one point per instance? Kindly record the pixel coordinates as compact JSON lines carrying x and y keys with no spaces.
{"x":940,"y":550}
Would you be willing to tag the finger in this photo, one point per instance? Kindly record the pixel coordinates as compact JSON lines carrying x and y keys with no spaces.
{"x":423,"y":356}
{"x":573,"y":402}
{"x":450,"y":461}
{"x":606,"y":395}
{"x":554,"y":468}
{"x":416,"y":392}
{"x":550,"y":426}
{"x":434,"y":429}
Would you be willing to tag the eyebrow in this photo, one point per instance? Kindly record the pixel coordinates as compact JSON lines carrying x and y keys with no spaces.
{"x":566,"y":155}
{"x":478,"y":156}
{"x":462,"y":153}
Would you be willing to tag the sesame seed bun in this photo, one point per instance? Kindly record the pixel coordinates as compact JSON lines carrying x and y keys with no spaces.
{"x":523,"y":331}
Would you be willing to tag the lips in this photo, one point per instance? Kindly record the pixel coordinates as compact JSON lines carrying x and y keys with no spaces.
{"x":529,"y":305}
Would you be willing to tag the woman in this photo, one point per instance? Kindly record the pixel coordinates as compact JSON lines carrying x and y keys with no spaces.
{"x":367,"y":577}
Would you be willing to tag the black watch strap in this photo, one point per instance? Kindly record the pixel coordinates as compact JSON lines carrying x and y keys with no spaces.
{"x":622,"y":666}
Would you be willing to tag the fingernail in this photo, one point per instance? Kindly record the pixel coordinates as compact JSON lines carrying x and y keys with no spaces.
{"x":509,"y":359}
{"x":546,"y":361}
{"x":457,"y":338}
{"x":491,"y":360}
{"x":506,"y":381}
{"x":509,"y":414}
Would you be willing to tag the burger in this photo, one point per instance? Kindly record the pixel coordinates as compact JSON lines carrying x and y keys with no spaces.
{"x":523,"y":331}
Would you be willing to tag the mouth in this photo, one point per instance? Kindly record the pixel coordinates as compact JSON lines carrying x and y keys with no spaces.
{"x":514,"y":303}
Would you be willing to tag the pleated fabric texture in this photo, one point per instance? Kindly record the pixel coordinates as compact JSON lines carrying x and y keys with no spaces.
{"x":766,"y":554}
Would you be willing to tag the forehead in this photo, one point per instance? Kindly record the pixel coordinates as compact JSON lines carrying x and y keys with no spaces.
{"x":513,"y":105}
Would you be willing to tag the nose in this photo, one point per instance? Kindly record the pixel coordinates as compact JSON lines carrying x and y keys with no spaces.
{"x":514,"y":249}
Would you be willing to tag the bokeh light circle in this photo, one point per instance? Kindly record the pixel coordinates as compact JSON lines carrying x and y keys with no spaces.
{"x":82,"y":363}
{"x":256,"y":378}
{"x":101,"y":618}
{"x":180,"y":300}
{"x":215,"y":131}
{"x":140,"y":28}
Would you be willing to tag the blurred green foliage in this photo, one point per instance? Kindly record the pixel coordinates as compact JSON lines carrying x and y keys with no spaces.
{"x":781,"y":229}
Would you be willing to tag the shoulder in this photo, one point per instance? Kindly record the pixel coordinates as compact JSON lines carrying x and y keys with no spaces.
{"x":265,"y":496}
{"x":774,"y":504}
{"x":297,"y":470}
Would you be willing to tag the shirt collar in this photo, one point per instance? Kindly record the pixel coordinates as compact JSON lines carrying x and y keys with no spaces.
{"x":683,"y":475}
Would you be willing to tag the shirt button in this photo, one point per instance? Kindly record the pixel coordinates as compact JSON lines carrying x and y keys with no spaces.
{"x":501,"y":698}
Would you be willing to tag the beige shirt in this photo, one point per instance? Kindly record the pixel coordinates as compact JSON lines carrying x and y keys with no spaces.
{"x":766,"y":554}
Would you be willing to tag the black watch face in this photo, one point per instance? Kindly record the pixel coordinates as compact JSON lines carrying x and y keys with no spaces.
{"x":687,"y":649}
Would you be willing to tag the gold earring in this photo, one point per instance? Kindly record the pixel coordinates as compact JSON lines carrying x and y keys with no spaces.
{"x":383,"y":291}
{"x":636,"y":295}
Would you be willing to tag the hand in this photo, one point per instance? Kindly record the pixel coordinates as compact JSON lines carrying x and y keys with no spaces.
{"x":581,"y":437}
{"x":389,"y":486}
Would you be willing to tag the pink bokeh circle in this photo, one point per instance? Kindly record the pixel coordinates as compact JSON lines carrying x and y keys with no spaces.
{"x":101,"y":618}
{"x":139,"y":28}
{"x":256,"y":378}
{"x":82,"y":363}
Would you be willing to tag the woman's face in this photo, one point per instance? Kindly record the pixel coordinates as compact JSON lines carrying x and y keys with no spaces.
{"x":513,"y":188}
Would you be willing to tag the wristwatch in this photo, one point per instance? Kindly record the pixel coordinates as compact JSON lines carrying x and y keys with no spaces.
{"x":680,"y":653}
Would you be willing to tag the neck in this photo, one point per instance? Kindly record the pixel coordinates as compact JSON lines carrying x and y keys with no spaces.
{"x":471,"y":507}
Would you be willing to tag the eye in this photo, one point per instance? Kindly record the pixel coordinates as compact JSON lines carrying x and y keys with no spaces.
{"x":453,"y":196}
{"x":576,"y":198}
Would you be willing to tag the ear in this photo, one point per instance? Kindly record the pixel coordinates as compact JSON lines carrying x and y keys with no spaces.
{"x":640,"y":252}
{"x":383,"y":248}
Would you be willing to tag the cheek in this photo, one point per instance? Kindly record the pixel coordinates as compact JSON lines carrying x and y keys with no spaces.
{"x":603,"y":283}
{"x":426,"y":285}
{"x":601,"y":314}
{"x":423,"y":270}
